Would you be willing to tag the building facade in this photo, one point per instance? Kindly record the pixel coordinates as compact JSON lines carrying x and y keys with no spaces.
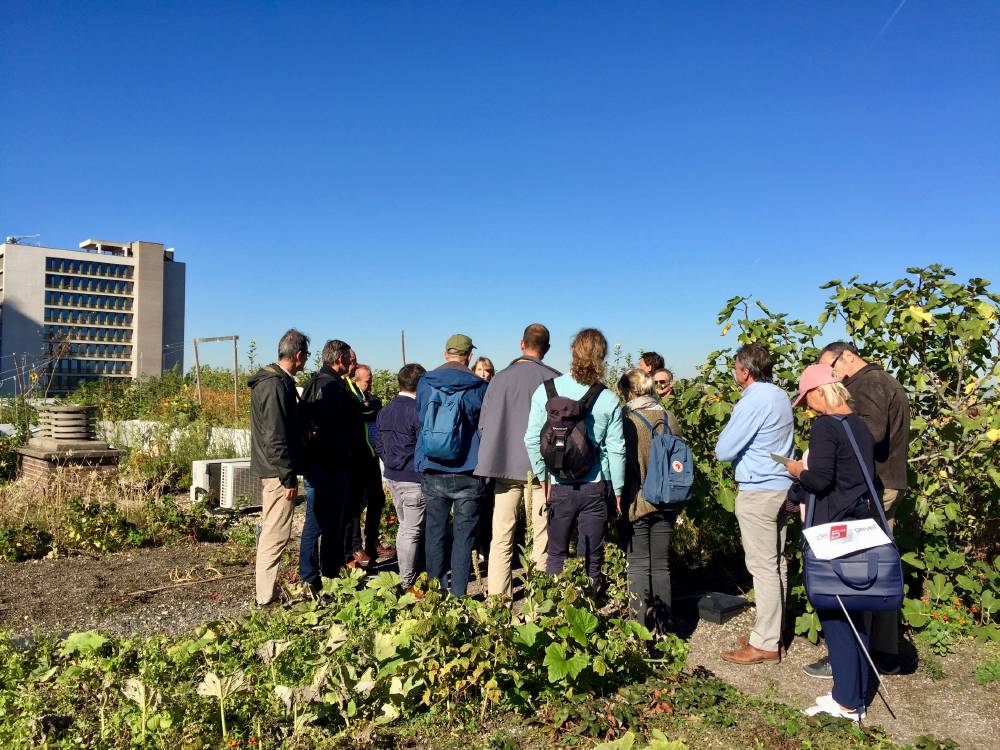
{"x":107,"y":310}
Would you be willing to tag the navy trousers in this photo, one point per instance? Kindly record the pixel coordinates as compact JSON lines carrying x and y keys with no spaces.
{"x":851,"y":673}
{"x":583,"y":507}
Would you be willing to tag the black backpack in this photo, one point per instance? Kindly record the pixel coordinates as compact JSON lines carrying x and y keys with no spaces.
{"x":566,"y":447}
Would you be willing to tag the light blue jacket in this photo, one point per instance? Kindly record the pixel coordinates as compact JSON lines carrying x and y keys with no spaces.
{"x":761,"y":424}
{"x":604,"y":427}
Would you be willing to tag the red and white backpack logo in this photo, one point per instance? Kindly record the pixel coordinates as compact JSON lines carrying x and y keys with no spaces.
{"x":677,"y":466}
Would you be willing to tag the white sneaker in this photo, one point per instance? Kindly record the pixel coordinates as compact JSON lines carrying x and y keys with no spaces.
{"x":825,"y":704}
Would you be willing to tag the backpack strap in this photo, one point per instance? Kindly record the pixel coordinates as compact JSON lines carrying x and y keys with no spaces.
{"x":587,"y":402}
{"x":652,"y":428}
{"x":868,"y":477}
{"x":550,"y":388}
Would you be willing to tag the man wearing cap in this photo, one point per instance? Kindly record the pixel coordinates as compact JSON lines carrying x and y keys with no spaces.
{"x":449,"y":400}
{"x":881,"y":402}
{"x":761,"y":424}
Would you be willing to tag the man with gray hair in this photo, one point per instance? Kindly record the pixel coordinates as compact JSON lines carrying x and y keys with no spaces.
{"x":276,"y":454}
{"x":332,"y":420}
{"x":761,"y":424}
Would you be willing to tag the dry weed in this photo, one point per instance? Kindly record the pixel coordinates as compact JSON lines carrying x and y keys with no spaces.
{"x":44,"y":503}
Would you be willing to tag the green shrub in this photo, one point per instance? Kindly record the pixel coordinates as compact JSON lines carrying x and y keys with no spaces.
{"x":939,"y":338}
{"x":24,"y":542}
{"x":366,"y":652}
{"x":99,"y":527}
{"x":988,"y":672}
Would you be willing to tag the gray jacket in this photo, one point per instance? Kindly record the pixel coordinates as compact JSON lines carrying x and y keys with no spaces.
{"x":504,"y":418}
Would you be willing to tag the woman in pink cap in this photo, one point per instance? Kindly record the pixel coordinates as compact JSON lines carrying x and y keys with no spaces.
{"x":835,"y":478}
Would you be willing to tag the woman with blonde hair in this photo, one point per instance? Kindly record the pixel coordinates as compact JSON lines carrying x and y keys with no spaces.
{"x":483,"y":368}
{"x":580,"y":503}
{"x":833,"y":476}
{"x":645,"y":530}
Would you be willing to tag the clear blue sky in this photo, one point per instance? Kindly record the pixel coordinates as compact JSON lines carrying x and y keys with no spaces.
{"x":355,"y":168}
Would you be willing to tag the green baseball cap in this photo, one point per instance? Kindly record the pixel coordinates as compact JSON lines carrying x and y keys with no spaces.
{"x":459,"y":343}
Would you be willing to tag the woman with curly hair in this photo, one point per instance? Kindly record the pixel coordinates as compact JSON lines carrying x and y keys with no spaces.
{"x":582,"y":503}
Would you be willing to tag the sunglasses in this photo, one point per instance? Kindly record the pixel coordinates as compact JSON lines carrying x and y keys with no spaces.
{"x":662,"y":382}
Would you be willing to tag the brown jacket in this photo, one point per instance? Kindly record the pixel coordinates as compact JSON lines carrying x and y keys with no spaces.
{"x":881,"y":402}
{"x":637,"y":441}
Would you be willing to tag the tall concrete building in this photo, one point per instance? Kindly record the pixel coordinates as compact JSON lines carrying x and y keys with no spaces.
{"x":107,"y":310}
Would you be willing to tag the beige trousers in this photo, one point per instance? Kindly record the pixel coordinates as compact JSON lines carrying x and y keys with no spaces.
{"x":883,"y":627}
{"x":275,"y":531}
{"x":762,"y":527}
{"x":509,"y":496}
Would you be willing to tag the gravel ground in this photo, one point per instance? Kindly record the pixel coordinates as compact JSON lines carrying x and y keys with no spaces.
{"x":81,"y":593}
{"x":954,"y":707}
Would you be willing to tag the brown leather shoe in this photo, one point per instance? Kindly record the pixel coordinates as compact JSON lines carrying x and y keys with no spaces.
{"x":750,"y":655}
{"x":362,"y":558}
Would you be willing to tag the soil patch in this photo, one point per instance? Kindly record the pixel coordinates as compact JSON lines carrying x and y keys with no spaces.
{"x":81,"y":593}
{"x":953,"y":707}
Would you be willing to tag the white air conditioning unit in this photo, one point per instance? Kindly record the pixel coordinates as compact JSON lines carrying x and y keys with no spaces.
{"x":238,"y":487}
{"x":206,"y":477}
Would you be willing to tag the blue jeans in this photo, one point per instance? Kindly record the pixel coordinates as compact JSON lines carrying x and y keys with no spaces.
{"x":441,"y":492}
{"x":320,"y":549}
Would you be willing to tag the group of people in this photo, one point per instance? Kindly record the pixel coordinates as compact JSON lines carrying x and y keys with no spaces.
{"x":466,"y":446}
{"x":847,"y":395}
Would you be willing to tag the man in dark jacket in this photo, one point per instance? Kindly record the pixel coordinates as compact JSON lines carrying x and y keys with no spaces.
{"x":365,"y":492}
{"x":502,"y":456}
{"x":396,"y":444}
{"x":881,"y":402}
{"x":276,"y":454}
{"x":448,"y":402}
{"x":332,"y":418}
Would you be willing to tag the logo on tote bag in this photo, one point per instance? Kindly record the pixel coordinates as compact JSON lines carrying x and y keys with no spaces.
{"x":838,"y":532}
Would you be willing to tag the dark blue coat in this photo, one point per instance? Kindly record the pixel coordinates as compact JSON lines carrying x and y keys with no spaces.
{"x":456,"y":377}
{"x":396,"y":438}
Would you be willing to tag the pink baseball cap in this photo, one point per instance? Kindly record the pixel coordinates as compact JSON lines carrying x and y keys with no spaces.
{"x":813,"y":377}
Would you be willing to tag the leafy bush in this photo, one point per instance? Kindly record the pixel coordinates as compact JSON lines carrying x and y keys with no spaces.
{"x":24,"y":541}
{"x":94,"y":515}
{"x":940,"y":338}
{"x":8,"y":457}
{"x":364,"y":652}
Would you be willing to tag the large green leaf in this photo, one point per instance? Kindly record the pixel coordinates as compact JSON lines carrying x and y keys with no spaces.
{"x":527,"y":634}
{"x":561,"y":667}
{"x":581,"y":622}
{"x":85,"y":642}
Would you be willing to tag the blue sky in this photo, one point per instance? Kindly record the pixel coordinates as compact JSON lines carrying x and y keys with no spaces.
{"x":357,"y":168}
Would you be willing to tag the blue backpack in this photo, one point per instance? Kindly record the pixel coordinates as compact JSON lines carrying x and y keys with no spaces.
{"x":443,"y":436}
{"x":669,"y":468}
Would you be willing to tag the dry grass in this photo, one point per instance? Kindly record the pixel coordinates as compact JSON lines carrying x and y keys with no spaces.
{"x":44,"y":504}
